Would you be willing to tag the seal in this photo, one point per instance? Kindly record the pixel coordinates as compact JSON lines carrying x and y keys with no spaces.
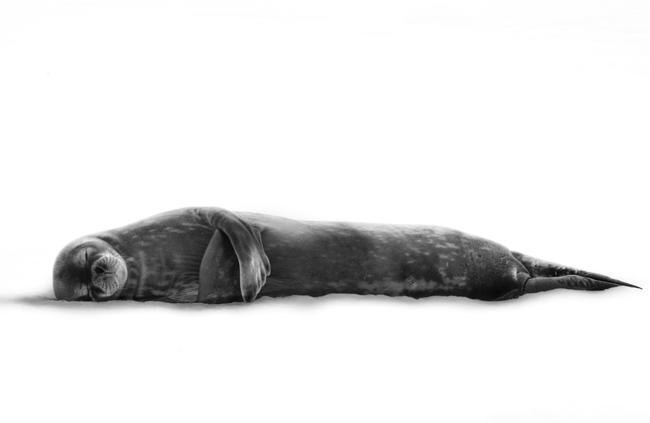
{"x":212,"y":255}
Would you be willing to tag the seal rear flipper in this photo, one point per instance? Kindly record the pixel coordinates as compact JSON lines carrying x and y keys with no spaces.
{"x":232,"y":234}
{"x":546,"y":276}
{"x":542,"y":283}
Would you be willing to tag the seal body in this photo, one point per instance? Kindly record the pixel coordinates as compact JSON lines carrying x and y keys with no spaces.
{"x":213,"y":255}
{"x":318,"y":258}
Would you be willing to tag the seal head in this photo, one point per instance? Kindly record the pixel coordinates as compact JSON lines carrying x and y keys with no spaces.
{"x":89,"y":269}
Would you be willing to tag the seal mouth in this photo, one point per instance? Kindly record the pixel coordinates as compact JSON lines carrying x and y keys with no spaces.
{"x":96,"y":295}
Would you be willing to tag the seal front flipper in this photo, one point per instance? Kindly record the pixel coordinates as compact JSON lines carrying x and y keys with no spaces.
{"x":235,"y":248}
{"x":219,"y":272}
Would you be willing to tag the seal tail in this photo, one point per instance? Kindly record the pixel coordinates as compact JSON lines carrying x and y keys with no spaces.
{"x":546,"y":276}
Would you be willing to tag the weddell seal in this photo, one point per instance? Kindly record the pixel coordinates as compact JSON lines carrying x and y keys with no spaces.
{"x":212,"y":255}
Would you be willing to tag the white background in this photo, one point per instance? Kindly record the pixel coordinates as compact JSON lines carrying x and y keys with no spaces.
{"x":521,"y":121}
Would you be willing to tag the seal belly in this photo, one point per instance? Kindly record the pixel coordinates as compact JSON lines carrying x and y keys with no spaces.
{"x":318,"y":258}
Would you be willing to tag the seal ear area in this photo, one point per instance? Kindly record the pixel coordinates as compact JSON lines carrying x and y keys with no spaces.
{"x":71,"y":275}
{"x":70,"y":282}
{"x":254,"y":265}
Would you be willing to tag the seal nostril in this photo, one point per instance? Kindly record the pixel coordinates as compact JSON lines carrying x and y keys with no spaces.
{"x":99,"y":270}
